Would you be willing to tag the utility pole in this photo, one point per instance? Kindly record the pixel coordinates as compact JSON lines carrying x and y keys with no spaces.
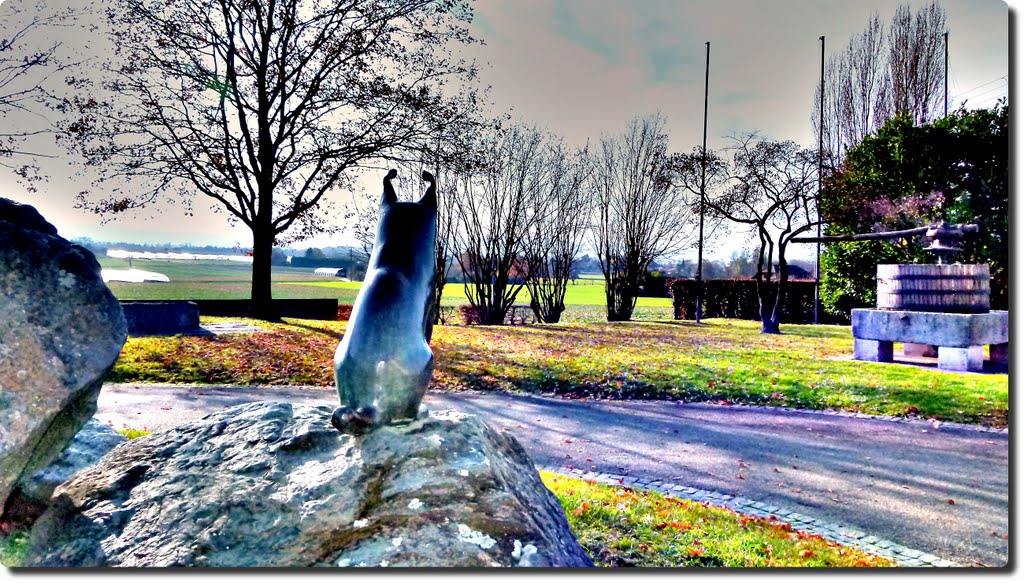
{"x":703,"y":184}
{"x":821,"y":138}
{"x":945,"y":76}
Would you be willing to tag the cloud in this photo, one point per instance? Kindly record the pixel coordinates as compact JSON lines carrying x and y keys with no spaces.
{"x":592,"y":33}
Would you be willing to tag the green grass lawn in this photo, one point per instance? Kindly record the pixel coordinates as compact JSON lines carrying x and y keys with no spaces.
{"x":620,"y":526}
{"x":206,"y":279}
{"x":203,"y":280}
{"x":581,"y":293}
{"x":719,"y":361}
{"x":13,"y":547}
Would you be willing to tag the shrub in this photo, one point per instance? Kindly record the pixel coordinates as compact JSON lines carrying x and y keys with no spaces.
{"x":655,"y":285}
{"x":737,"y":298}
{"x":470,"y":315}
{"x":516,"y":316}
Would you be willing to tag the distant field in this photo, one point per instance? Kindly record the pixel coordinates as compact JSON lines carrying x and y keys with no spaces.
{"x":232,"y":280}
{"x":205,"y":280}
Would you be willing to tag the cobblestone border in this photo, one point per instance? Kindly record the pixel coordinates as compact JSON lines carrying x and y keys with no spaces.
{"x":851,"y":414}
{"x":901,"y":555}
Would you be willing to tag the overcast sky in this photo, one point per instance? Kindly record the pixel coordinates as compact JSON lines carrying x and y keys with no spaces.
{"x":582,"y":68}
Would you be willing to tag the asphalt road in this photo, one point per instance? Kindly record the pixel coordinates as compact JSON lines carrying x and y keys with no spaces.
{"x":891,"y":480}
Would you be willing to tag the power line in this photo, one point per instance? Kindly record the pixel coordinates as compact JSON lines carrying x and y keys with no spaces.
{"x":994,"y":91}
{"x":962,"y":93}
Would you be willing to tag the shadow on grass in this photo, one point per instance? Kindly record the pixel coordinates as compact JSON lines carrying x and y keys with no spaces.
{"x":817,"y":331}
{"x":321,"y":331}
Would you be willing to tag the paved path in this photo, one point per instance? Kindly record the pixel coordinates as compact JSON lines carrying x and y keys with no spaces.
{"x":891,"y":480}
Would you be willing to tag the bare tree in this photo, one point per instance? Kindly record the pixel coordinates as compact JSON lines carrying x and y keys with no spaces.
{"x":26,"y":71}
{"x":916,"y":61}
{"x":638,"y":214}
{"x":493,"y":198}
{"x":772,"y":192}
{"x":561,"y":218}
{"x":879,"y":74}
{"x":695,"y":174}
{"x":265,"y":107}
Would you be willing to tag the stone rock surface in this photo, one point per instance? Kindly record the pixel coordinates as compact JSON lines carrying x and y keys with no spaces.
{"x":275,"y":485}
{"x":60,"y":332}
{"x":94,"y":441}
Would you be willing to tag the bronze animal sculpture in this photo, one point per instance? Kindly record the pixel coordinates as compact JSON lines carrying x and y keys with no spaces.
{"x":383,"y":364}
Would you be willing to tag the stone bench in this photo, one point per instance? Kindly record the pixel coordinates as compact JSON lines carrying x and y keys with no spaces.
{"x":959,"y":338}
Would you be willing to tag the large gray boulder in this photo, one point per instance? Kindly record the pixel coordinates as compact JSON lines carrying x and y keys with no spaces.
{"x":275,"y":485}
{"x":94,"y":441}
{"x":60,"y":332}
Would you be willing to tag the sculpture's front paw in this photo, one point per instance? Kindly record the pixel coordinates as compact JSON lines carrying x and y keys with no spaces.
{"x":354,"y":421}
{"x":423,"y":412}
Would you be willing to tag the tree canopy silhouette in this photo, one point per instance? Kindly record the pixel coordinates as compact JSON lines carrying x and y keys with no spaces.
{"x":265,"y":107}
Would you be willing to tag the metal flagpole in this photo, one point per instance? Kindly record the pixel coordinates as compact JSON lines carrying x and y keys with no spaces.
{"x":703,"y":184}
{"x":821,"y":138}
{"x":945,"y":86}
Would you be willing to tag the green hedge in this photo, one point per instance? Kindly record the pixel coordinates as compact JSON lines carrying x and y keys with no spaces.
{"x":737,"y":298}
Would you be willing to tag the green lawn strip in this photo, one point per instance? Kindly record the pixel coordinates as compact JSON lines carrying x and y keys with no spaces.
{"x":722,"y":360}
{"x":297,"y":353}
{"x":582,"y":293}
{"x":13,"y":547}
{"x":130,"y":433}
{"x":627,"y":527}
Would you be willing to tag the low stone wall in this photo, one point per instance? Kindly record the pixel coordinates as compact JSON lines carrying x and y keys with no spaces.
{"x":308,"y":309}
{"x":179,"y":316}
{"x":170,"y":317}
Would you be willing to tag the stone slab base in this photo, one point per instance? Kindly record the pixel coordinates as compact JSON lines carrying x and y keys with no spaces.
{"x":934,"y":328}
{"x":971,"y":358}
{"x":872,"y":350}
{"x":957,"y":339}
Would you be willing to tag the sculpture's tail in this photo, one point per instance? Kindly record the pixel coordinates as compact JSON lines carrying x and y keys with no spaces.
{"x":354,"y":421}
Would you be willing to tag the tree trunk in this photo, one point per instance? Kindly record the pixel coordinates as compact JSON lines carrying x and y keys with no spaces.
{"x":435,"y":307}
{"x":766,"y":305}
{"x":620,"y":302}
{"x":261,"y":305}
{"x":493,"y":313}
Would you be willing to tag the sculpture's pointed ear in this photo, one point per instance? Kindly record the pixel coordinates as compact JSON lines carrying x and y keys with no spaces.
{"x":430,"y":196}
{"x":389,"y":191}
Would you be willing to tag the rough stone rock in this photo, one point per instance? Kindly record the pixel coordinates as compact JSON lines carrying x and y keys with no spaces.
{"x":60,"y":332}
{"x":275,"y":485}
{"x":94,"y":441}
